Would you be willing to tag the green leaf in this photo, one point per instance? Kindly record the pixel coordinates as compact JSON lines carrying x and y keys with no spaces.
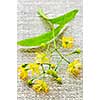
{"x":48,"y":36}
{"x":38,"y":40}
{"x":61,"y":19}
{"x":64,"y":18}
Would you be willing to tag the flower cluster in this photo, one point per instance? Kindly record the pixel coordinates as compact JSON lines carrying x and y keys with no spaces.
{"x":34,"y":73}
{"x":74,"y":68}
{"x":67,"y":42}
{"x":43,"y":66}
{"x":40,"y":86}
{"x":22,"y":72}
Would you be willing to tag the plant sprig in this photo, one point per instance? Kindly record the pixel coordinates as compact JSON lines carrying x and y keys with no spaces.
{"x":48,"y":36}
{"x":41,"y":58}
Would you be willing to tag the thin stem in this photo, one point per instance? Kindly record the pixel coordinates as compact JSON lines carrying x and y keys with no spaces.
{"x":37,"y":77}
{"x":49,"y":67}
{"x":70,"y":54}
{"x":56,"y":47}
{"x":46,"y":64}
{"x":54,"y":36}
{"x":43,"y":68}
{"x":74,"y":52}
{"x":48,"y":48}
{"x":58,"y":64}
{"x":52,"y":28}
{"x":62,"y":56}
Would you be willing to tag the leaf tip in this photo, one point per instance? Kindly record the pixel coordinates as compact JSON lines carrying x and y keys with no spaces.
{"x":76,"y":11}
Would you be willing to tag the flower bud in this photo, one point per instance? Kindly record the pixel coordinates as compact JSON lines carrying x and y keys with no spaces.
{"x":53,"y":65}
{"x":78,"y":51}
{"x":29,"y":82}
{"x":59,"y":80}
{"x":43,"y":45}
{"x":49,"y":71}
{"x":54,"y":74}
{"x":24,"y":65}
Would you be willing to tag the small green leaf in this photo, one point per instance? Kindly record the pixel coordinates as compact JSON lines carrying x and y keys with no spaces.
{"x":61,"y":19}
{"x":64,"y":18}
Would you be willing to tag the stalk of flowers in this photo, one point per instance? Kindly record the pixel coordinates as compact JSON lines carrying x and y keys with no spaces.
{"x":37,"y":68}
{"x":39,"y":71}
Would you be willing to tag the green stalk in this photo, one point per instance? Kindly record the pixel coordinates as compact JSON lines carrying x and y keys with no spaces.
{"x":70,"y":54}
{"x":58,"y":64}
{"x":54,"y":37}
{"x":43,"y":68}
{"x":55,"y":46}
{"x":37,"y":77}
{"x":41,"y":13}
{"x":62,"y":56}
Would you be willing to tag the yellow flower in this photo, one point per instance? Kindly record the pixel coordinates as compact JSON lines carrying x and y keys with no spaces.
{"x":74,"y":68}
{"x":35,"y":68}
{"x":40,"y":86}
{"x":41,"y":58}
{"x":23,"y":74}
{"x":67,"y":42}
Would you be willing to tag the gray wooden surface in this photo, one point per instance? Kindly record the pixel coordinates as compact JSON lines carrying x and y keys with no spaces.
{"x":29,"y":25}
